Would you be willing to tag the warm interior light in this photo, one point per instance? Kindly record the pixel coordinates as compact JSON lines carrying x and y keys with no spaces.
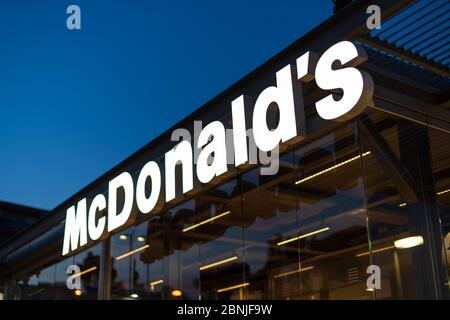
{"x":155,"y":283}
{"x":292,"y":272}
{"x":442,"y":192}
{"x":134,"y":295}
{"x":141,"y":238}
{"x":303,"y":236}
{"x":438,"y":194}
{"x":176,"y":293}
{"x":369,"y":289}
{"x":375,"y":251}
{"x":211,"y":265}
{"x":132,"y":252}
{"x":206,"y":221}
{"x":79,"y":274}
{"x":398,"y":244}
{"x":340,"y":164}
{"x":408,"y":242}
{"x":234,"y":287}
{"x":77,"y":292}
{"x":123,"y":237}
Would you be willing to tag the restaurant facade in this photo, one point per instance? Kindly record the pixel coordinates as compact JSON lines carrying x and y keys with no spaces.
{"x":331,"y":185}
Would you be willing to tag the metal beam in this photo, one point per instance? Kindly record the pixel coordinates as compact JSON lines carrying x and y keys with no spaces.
{"x":419,"y":106}
{"x":105,"y":271}
{"x":387,"y":160}
{"x":443,"y":99}
{"x":407,"y":55}
{"x":395,"y":80}
{"x":411,"y":115}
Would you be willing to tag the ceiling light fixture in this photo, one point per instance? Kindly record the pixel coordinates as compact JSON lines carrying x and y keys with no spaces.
{"x":408,"y":242}
{"x":303,"y":236}
{"x":214,"y":264}
{"x":340,"y":164}
{"x":443,"y":191}
{"x":375,"y":251}
{"x":234,"y":287}
{"x":79,"y":274}
{"x":123,"y":237}
{"x":155,"y":283}
{"x":176,"y":293}
{"x":206,"y":221}
{"x":132,"y":252}
{"x":292,"y":272}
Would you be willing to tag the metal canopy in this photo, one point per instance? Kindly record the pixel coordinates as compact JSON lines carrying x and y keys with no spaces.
{"x":414,"y":45}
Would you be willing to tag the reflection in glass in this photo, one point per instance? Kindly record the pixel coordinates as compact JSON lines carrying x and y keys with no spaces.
{"x":399,"y":222}
{"x":332,"y":219}
{"x":374,"y":191}
{"x":270,"y":207}
{"x":221,"y":259}
{"x":136,"y":257}
{"x":51,"y":282}
{"x":440,"y":155}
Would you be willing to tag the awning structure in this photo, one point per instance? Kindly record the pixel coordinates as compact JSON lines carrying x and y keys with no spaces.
{"x":414,"y":44}
{"x":419,"y":32}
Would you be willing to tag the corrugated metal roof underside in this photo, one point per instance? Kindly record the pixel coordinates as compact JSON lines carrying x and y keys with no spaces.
{"x":406,"y":68}
{"x":421,"y":29}
{"x":414,"y":43}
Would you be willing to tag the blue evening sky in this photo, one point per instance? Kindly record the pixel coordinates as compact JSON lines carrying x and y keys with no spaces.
{"x":75,"y":103}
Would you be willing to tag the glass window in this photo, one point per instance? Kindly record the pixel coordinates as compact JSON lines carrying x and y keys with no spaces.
{"x":218,"y":228}
{"x":440,"y":155}
{"x":137,"y":261}
{"x":37,"y":286}
{"x":181,"y":260}
{"x":373,"y":192}
{"x":193,"y":251}
{"x":270,"y":210}
{"x":332,"y":221}
{"x":398,"y":178}
{"x":51,"y":282}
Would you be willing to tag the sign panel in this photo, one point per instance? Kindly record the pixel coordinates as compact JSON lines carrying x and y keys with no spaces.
{"x":335,"y":70}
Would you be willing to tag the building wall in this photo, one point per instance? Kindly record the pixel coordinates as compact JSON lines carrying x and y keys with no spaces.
{"x":336,"y":206}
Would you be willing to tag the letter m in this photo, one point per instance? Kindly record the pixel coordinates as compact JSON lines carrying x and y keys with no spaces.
{"x":75,"y":232}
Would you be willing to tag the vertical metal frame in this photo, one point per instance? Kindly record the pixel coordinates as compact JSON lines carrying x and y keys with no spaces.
{"x":104,"y":285}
